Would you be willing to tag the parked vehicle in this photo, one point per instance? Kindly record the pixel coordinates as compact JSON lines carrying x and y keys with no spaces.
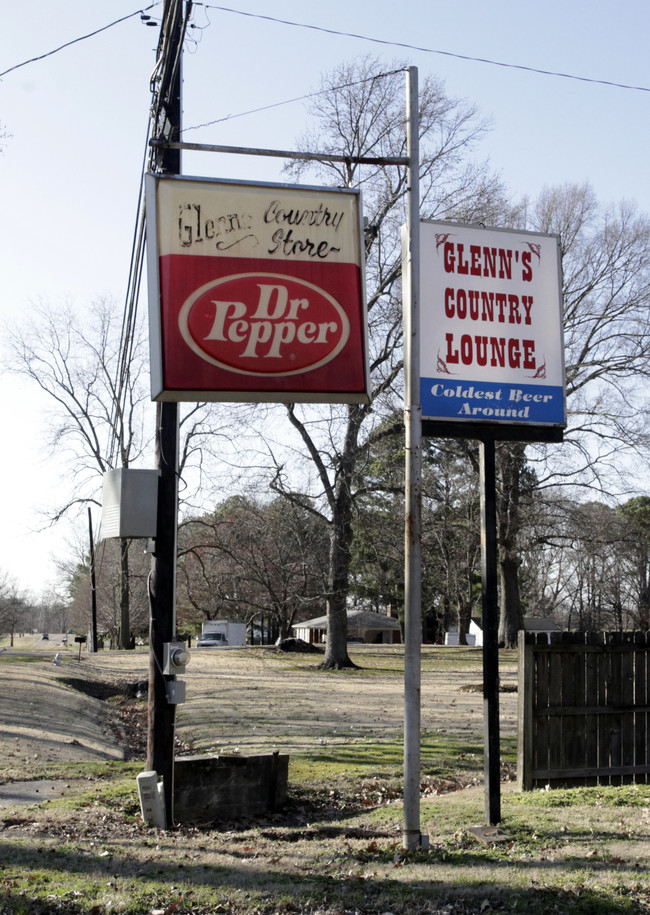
{"x":212,"y":640}
{"x":219,"y":633}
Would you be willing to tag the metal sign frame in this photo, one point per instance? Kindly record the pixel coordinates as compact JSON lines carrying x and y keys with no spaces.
{"x":445,"y":317}
{"x":491,"y":349}
{"x":257,"y":292}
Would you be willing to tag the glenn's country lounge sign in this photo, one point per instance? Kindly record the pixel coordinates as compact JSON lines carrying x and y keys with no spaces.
{"x":491,"y":345}
{"x":256,"y":292}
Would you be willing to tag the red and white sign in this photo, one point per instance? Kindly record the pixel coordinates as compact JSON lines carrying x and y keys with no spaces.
{"x":491,"y":342}
{"x":256,"y":292}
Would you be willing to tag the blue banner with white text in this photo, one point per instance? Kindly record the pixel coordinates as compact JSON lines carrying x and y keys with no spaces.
{"x":491,"y":402}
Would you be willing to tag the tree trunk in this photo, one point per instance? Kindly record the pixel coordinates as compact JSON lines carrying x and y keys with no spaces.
{"x":336,"y":650}
{"x":511,"y":617}
{"x":643,"y":606}
{"x":125,"y":621}
{"x":464,"y":611}
{"x":511,"y":461}
{"x":341,"y":501}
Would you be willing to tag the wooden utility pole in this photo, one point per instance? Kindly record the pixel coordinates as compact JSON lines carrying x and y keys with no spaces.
{"x":162,"y":588}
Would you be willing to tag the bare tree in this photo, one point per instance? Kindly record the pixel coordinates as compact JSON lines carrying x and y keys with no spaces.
{"x":109,"y":596}
{"x":360,"y":112}
{"x":15,"y":608}
{"x":635,"y":546}
{"x":256,"y":560}
{"x":605,"y":253}
{"x":451,"y":534}
{"x":97,"y":422}
{"x":100,"y":419}
{"x":3,"y":137}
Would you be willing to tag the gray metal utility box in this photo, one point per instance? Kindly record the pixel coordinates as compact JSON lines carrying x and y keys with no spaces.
{"x":129,"y":503}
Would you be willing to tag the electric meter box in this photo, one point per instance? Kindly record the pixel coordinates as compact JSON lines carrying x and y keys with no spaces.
{"x":129,"y":503}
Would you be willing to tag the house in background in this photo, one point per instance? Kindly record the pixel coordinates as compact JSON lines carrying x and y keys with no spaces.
{"x":363,"y":626}
{"x":536,"y":624}
{"x":474,"y":634}
{"x":541,"y":624}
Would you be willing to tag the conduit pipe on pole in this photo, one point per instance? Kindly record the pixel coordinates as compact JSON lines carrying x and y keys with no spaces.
{"x":412,"y":837}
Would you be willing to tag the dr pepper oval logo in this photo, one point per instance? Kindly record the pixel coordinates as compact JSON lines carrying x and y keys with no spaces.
{"x":264,"y":324}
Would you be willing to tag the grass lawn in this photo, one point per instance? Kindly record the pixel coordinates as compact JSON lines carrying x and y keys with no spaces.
{"x":337,"y":846}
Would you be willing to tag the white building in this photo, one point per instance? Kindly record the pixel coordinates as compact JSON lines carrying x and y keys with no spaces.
{"x":363,"y":626}
{"x":536,"y":624}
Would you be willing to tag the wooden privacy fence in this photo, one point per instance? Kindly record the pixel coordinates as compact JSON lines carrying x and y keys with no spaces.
{"x":584,"y":709}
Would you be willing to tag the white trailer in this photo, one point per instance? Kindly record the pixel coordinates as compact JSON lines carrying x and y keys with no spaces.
{"x":219,"y":633}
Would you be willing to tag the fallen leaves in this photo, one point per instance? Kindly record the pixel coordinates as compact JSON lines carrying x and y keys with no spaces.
{"x":168,"y":910}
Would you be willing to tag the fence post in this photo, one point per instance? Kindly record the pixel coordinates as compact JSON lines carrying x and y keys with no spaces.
{"x":642,"y":701}
{"x":525,"y":712}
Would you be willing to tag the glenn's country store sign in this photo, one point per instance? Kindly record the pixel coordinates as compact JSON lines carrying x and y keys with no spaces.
{"x":256,"y":292}
{"x":491,"y":346}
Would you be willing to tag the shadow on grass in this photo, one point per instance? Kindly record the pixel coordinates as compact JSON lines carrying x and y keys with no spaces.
{"x":248,"y":884}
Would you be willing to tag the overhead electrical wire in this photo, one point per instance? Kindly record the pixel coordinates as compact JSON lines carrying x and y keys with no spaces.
{"x":67,"y":44}
{"x":162,"y":76}
{"x":339,"y":32}
{"x":413,"y":47}
{"x":290,"y":101}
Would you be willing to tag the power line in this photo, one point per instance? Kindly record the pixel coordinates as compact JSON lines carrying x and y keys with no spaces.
{"x":165,"y":71}
{"x":412,"y":47}
{"x":110,"y":25}
{"x":290,"y":101}
{"x":327,"y":31}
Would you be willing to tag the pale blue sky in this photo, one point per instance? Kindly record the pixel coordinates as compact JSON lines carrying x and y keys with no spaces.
{"x":70,"y":170}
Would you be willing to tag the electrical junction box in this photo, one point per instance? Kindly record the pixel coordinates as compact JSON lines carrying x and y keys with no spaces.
{"x":129,"y":503}
{"x":175,"y":691}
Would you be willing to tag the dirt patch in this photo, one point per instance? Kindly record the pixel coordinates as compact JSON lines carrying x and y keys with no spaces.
{"x":247,"y":700}
{"x":257,"y":701}
{"x":44,"y":721}
{"x":35,"y":791}
{"x":95,"y":688}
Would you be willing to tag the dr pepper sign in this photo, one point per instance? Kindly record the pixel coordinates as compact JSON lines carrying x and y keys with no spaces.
{"x":256,"y":292}
{"x":491,"y":345}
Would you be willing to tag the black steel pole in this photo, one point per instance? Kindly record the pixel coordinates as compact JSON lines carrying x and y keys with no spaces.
{"x":490,"y":603}
{"x":93,"y":585}
{"x":162,"y":588}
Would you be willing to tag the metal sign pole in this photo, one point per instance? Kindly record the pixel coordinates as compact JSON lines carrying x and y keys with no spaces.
{"x":490,"y":631}
{"x":93,"y":585}
{"x":413,"y":484}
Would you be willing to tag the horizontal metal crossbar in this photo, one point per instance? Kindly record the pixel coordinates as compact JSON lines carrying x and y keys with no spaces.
{"x":281,"y":153}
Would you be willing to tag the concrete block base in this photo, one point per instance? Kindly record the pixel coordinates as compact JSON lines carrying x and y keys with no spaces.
{"x":212,"y":788}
